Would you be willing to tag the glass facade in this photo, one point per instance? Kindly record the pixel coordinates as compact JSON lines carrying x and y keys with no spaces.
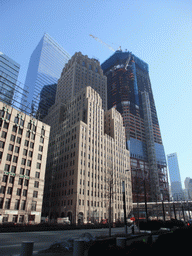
{"x":47,"y":99}
{"x":174,"y":173}
{"x":9,"y":71}
{"x":127,"y":82}
{"x":45,"y":67}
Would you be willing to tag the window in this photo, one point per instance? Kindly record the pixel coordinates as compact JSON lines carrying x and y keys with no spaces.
{"x":39,"y":157}
{"x":31,"y":145}
{"x":14,"y":129}
{"x":38,"y":166}
{"x":41,"y":148}
{"x":29,"y":126}
{"x":22,"y":170}
{"x":21,"y":218}
{"x":10,"y":147}
{"x":15,"y":159}
{"x":18,"y":192}
{"x":27,"y":134}
{"x":16,"y":120}
{"x":1,"y":202}
{"x":37,"y":175}
{"x":8,"y":116}
{"x":17,"y":201}
{"x":32,"y":136}
{"x":36,"y":184}
{"x":22,"y":122}
{"x":13,"y":169}
{"x":11,"y":179}
{"x":7,"y":203}
{"x":33,"y":206}
{"x":3,"y":135}
{"x":2,"y":144}
{"x":24,"y":152}
{"x":29,"y":163}
{"x":5,"y":177}
{"x":24,"y":192}
{"x":23,"y":161}
{"x":41,"y":139}
{"x":9,"y":157}
{"x":2,"y":190}
{"x":20,"y":182}
{"x":6,"y":125}
{"x":18,"y":140}
{"x":12,"y":138}
{"x":17,"y":149}
{"x":27,"y":173}
{"x":26,"y":143}
{"x":23,"y":204}
{"x":30,"y":153}
{"x":35,"y":194}
{"x":14,"y":219}
{"x":20,"y":131}
{"x":26,"y":182}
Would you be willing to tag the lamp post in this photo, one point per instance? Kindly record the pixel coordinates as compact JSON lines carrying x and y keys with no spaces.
{"x":124,"y":204}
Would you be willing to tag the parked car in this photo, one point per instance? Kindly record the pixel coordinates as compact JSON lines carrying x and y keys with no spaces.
{"x":189,"y":223}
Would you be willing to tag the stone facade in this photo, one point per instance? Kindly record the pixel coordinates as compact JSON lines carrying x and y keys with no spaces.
{"x":23,"y":155}
{"x":87,"y":155}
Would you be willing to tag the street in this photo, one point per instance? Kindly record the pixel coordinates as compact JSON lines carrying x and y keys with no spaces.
{"x":10,"y":243}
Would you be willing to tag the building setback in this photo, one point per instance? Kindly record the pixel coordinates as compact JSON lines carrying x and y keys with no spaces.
{"x":45,"y":67}
{"x":129,"y":91}
{"x":79,"y":72}
{"x":9,"y":71}
{"x":23,"y":154}
{"x":87,"y":155}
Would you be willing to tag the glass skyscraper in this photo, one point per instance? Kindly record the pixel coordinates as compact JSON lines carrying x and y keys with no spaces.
{"x":175,"y":179}
{"x":129,"y":91}
{"x":9,"y":71}
{"x":45,"y":67}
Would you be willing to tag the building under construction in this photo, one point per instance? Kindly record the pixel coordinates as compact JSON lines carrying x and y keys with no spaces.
{"x":129,"y":91}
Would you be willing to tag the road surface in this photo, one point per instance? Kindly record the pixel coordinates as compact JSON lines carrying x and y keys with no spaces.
{"x":10,"y":243}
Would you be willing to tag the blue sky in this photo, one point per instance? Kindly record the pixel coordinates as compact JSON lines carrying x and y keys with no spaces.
{"x":158,"y":32}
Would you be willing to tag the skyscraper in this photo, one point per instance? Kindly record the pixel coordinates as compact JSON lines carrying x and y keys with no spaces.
{"x":174,"y":173}
{"x":87,"y":161}
{"x":45,"y":66}
{"x":79,"y":73}
{"x":129,"y":91}
{"x":9,"y":71}
{"x":87,"y":156}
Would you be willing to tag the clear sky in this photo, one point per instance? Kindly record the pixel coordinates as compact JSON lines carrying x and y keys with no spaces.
{"x":158,"y":32}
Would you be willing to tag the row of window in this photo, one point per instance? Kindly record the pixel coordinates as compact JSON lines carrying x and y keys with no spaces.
{"x":22,"y":204}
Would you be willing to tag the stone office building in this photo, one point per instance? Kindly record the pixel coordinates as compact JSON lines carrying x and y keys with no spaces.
{"x":87,"y":161}
{"x":23,"y":154}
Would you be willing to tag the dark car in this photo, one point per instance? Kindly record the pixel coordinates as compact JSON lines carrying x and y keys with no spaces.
{"x":189,"y":223}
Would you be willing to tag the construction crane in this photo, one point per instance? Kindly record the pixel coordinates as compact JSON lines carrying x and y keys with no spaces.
{"x":99,"y":40}
{"x":127,"y":61}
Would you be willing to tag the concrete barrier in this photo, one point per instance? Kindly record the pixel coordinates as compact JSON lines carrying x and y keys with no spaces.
{"x":27,"y":248}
